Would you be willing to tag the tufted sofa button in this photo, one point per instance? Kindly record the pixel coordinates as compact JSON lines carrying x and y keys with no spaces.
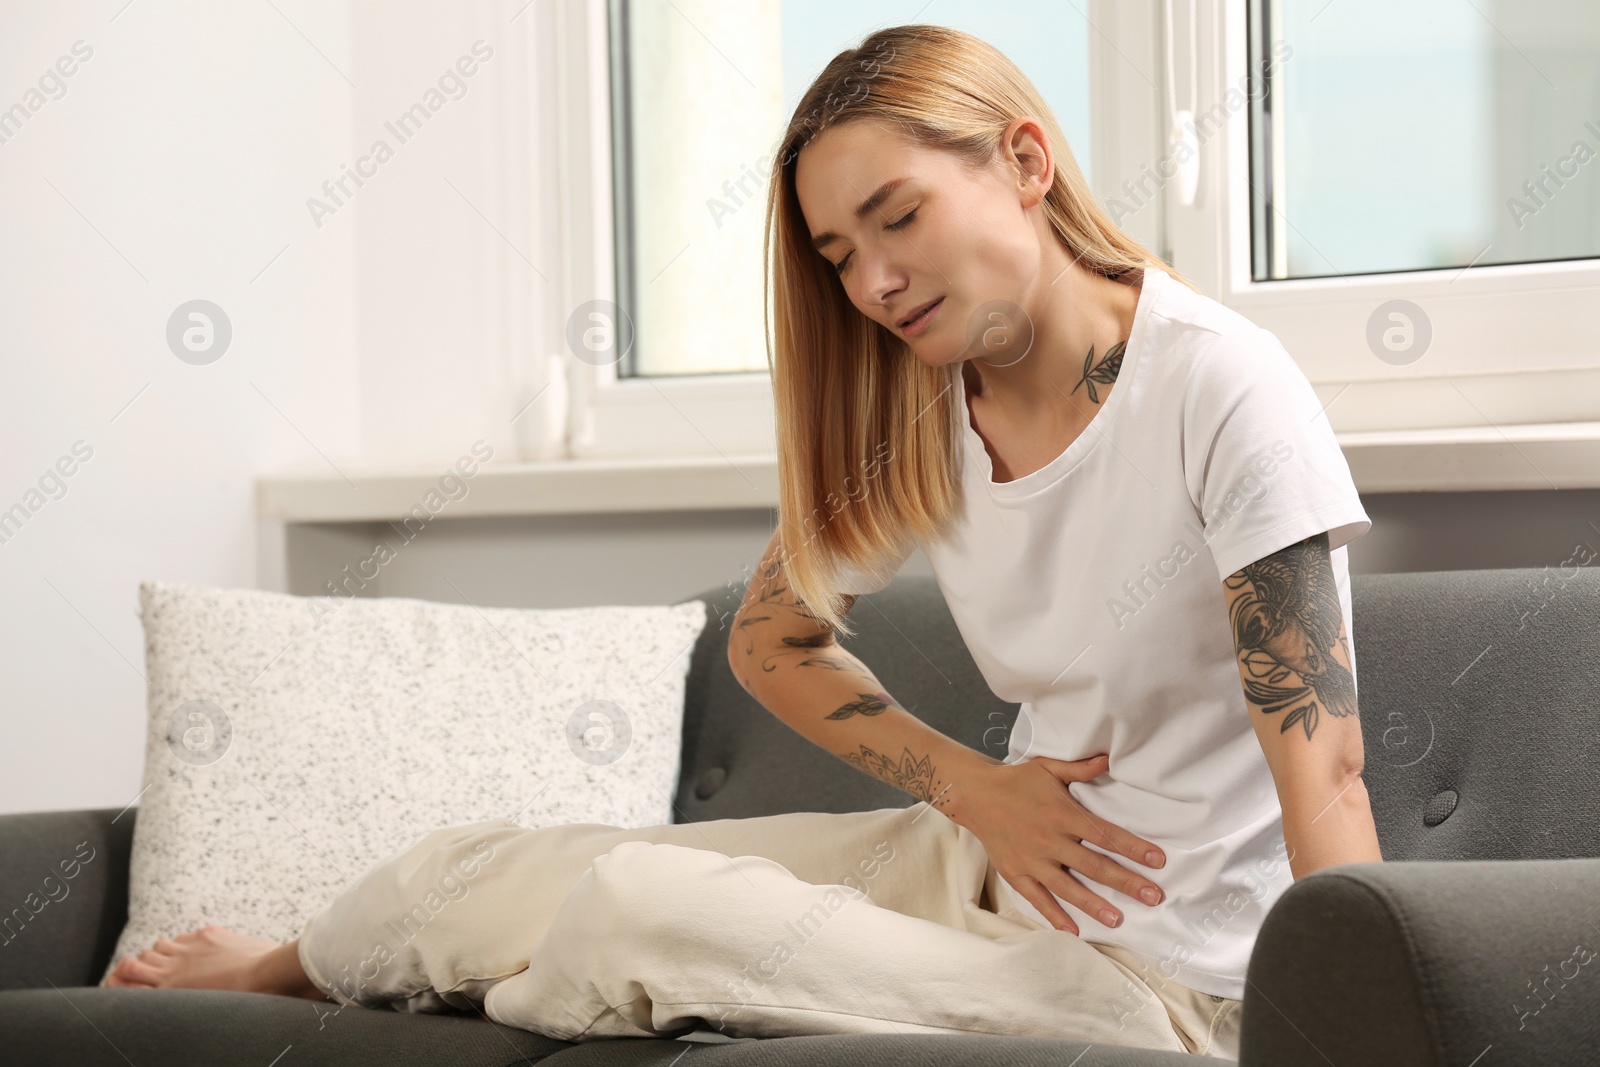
{"x":710,"y":782}
{"x":1439,"y":808}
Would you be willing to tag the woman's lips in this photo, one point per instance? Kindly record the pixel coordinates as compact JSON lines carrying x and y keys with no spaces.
{"x":917,"y":325}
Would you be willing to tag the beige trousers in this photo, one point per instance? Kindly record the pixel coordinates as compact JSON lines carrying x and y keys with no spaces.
{"x":884,"y":921}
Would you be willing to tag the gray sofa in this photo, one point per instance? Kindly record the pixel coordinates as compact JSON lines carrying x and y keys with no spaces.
{"x":1472,"y":946}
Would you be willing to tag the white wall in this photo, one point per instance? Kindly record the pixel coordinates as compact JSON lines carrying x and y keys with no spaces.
{"x":176,"y":163}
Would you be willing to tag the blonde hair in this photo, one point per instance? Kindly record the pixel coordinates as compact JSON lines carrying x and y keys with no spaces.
{"x":868,"y":436}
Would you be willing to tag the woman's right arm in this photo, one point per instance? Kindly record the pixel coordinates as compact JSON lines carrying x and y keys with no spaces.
{"x":1029,"y":823}
{"x":791,"y":664}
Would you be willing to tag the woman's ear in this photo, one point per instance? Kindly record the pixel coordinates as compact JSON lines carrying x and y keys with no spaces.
{"x":1028,"y":151}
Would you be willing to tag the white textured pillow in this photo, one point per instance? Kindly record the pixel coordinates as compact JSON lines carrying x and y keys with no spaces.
{"x":294,"y":742}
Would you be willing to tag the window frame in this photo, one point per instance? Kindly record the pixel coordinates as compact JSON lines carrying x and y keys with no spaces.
{"x":1478,"y":313}
{"x":613,"y":416}
{"x":610,"y":415}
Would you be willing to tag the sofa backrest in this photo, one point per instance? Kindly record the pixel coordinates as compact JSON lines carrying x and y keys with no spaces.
{"x":1478,"y":691}
{"x":1480,"y":709}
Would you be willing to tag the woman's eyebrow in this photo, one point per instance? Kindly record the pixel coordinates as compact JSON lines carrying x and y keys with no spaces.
{"x":879,"y":195}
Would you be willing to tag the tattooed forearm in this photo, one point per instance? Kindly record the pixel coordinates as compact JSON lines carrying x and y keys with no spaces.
{"x":777,"y":607}
{"x":1105,"y":372}
{"x":1286,"y":622}
{"x":836,"y":711}
{"x":916,"y":776}
{"x":841,"y":705}
{"x":868,"y":704}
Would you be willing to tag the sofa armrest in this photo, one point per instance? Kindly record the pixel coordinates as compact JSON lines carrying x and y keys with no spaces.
{"x":1428,"y":963}
{"x":63,"y":895}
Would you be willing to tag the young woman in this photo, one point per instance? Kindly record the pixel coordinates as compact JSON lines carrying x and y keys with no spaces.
{"x":1137,"y":517}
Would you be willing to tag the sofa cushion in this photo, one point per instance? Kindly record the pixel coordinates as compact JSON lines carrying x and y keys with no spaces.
{"x":876,"y":1050}
{"x":80,"y":1027}
{"x":295,"y":743}
{"x":205,"y":1028}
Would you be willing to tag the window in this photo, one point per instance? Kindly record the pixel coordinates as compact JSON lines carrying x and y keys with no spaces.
{"x":1422,"y":136}
{"x":1356,"y":162}
{"x":701,"y":90}
{"x":670,"y":144}
{"x":1405,"y":194}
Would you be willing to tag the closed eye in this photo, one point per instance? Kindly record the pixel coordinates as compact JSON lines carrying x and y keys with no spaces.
{"x":898,"y":224}
{"x":904,"y":220}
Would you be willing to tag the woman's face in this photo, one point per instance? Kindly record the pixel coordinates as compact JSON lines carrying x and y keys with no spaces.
{"x":905,"y":225}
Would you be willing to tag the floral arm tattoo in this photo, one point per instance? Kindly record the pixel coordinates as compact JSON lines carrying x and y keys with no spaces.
{"x":915,"y":776}
{"x":1286,"y":620}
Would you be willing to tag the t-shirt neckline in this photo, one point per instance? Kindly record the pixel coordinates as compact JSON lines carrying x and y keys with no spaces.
{"x":1097,"y":427}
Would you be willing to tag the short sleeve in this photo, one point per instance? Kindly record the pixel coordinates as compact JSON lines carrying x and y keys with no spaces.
{"x":858,"y":581}
{"x":1260,"y":459}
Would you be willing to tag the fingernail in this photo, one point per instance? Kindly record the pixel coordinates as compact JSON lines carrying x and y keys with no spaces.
{"x":1109,"y":917}
{"x":1149,"y":895}
{"x":1152,"y":858}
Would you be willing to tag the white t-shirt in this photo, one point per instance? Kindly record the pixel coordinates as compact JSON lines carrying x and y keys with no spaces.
{"x":1090,"y":592}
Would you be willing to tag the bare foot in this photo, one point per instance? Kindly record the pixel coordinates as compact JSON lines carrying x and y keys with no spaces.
{"x":212,"y":957}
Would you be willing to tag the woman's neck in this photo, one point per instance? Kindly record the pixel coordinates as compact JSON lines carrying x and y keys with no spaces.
{"x":1080,"y":316}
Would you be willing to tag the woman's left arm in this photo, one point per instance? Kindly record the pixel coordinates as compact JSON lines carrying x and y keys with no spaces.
{"x":1294,"y":662}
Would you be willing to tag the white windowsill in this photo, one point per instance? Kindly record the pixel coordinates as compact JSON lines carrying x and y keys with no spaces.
{"x":1534,"y":456}
{"x":1550,"y":455}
